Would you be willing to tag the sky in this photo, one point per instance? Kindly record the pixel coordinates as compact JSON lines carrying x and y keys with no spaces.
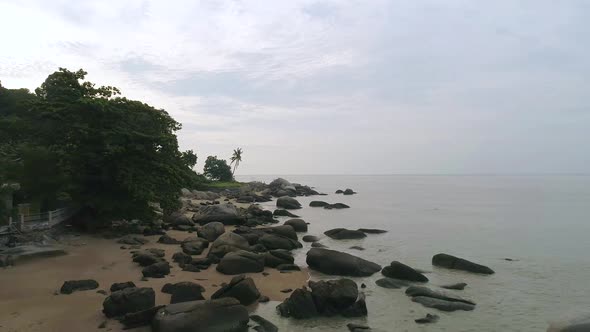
{"x":333,"y":87}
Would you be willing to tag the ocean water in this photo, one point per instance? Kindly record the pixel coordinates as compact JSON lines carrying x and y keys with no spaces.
{"x":542,"y":222}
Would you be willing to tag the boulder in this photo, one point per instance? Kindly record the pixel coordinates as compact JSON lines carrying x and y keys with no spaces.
{"x":195,"y":247}
{"x":121,"y":285}
{"x":133,"y":240}
{"x":457,"y":286}
{"x":318,"y":245}
{"x":226,"y":214}
{"x":401,"y":271}
{"x":219,"y":315}
{"x":348,"y":192}
{"x":179,"y":219}
{"x":336,"y":206}
{"x":128,"y":300}
{"x":167,"y":239}
{"x":456,"y":263}
{"x":279,"y":183}
{"x":338,"y":263}
{"x":274,"y":241}
{"x":415,"y":291}
{"x":274,"y":258}
{"x":372,"y":230}
{"x":211,"y":231}
{"x":284,"y":230}
{"x":241,"y":288}
{"x":185,"y":291}
{"x":391,"y":283}
{"x":157,"y":270}
{"x":339,"y":191}
{"x":263,"y":324}
{"x":140,"y":318}
{"x":287,"y":202}
{"x":227,"y":242}
{"x":146,"y":258}
{"x":284,"y":213}
{"x":241,"y":262}
{"x":310,"y":238}
{"x":288,"y":267}
{"x":299,"y":305}
{"x":442,"y":305}
{"x":344,"y":234}
{"x":318,"y":203}
{"x":429,"y":318}
{"x":333,"y":296}
{"x":299,"y":225}
{"x":71,"y":286}
{"x":182,"y":258}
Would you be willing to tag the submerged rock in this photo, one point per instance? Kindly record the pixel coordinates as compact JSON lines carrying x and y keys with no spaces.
{"x":415,"y":291}
{"x":71,"y":286}
{"x":442,"y":304}
{"x":457,"y":286}
{"x":336,"y":206}
{"x":391,"y":283}
{"x":372,"y":230}
{"x":456,"y":263}
{"x":310,"y":238}
{"x":339,"y":263}
{"x":344,"y":234}
{"x":353,"y":327}
{"x":318,"y":203}
{"x":429,"y":318}
{"x":284,"y":213}
{"x":349,"y":192}
{"x":220,"y":315}
{"x":401,"y":271}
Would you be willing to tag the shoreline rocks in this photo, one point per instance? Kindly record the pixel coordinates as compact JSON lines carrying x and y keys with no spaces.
{"x":339,"y":263}
{"x":456,"y":263}
{"x":289,"y":203}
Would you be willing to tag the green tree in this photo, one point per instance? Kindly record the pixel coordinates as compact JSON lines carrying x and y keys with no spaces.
{"x":236,"y":158}
{"x":108,"y":154}
{"x":217,"y":169}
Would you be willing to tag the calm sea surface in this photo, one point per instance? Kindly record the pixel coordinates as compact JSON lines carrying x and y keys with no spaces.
{"x":542,"y":222}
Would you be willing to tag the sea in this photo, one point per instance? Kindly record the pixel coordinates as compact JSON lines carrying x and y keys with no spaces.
{"x":541,"y":223}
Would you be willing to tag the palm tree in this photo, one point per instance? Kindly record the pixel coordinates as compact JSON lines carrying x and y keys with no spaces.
{"x":236,"y":158}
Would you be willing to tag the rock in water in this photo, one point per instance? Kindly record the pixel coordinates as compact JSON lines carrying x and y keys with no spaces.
{"x":401,"y":271}
{"x":318,"y":204}
{"x":185,"y":291}
{"x":211,"y":231}
{"x":241,"y":262}
{"x":339,"y":263}
{"x":299,"y":305}
{"x":299,"y":225}
{"x":336,"y":206}
{"x":414,"y":291}
{"x":391,"y":283}
{"x":224,"y":213}
{"x":287,"y":202}
{"x":372,"y":230}
{"x":349,"y":192}
{"x":121,"y":285}
{"x":456,"y":263}
{"x":71,"y":286}
{"x":344,"y":234}
{"x":265,"y":325}
{"x":220,"y":315}
{"x":241,"y":288}
{"x":128,"y":300}
{"x":283,"y":213}
{"x":352,"y":327}
{"x":442,"y":304}
{"x":457,"y":286}
{"x":427,"y":319}
{"x":310,"y":238}
{"x":284,"y":230}
{"x":333,"y":296}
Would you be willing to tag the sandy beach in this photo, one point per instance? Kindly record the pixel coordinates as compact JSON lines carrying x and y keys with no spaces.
{"x":28,"y":292}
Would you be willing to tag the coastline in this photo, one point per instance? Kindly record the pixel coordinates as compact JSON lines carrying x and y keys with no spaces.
{"x":28,"y":290}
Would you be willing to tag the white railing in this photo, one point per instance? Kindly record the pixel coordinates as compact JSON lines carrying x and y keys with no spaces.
{"x":42,"y":220}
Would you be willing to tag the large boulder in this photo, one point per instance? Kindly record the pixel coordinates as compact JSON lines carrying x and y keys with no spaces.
{"x":339,"y":263}
{"x":284,"y":230}
{"x":274,"y":258}
{"x":194,"y":247}
{"x":401,"y":271}
{"x":185,"y":291}
{"x":299,"y":305}
{"x":415,"y":291}
{"x":134,"y":240}
{"x":456,"y":263}
{"x":167,"y":239}
{"x":211,"y":231}
{"x":279,"y":183}
{"x":241,"y":262}
{"x":299,"y":225}
{"x":228,"y":242}
{"x":224,"y":213}
{"x":71,"y":286}
{"x":318,"y":203}
{"x":283,"y":213}
{"x":157,"y":270}
{"x":122,"y":285}
{"x":128,"y":300}
{"x":219,"y":315}
{"x":287,"y":202}
{"x":391,"y":283}
{"x":333,"y":296}
{"x":241,"y":288}
{"x":274,"y":241}
{"x":442,"y":305}
{"x":344,"y":234}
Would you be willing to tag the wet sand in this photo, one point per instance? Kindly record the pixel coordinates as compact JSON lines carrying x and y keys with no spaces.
{"x":27,"y":291}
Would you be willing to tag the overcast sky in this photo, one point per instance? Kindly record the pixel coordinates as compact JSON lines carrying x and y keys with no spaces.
{"x":334,"y":87}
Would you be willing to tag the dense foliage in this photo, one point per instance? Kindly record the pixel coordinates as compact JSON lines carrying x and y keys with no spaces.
{"x":217,"y":169}
{"x":86,"y":144}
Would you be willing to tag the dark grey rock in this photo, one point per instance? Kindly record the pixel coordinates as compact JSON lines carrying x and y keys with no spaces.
{"x":456,"y":263}
{"x":241,"y":288}
{"x":227,"y":214}
{"x":241,"y":262}
{"x":167,"y":239}
{"x":310,"y":238}
{"x":372,"y":230}
{"x":339,"y":263}
{"x":140,"y":318}
{"x":337,"y":206}
{"x":128,"y":300}
{"x":344,"y":234}
{"x":274,"y":258}
{"x":71,"y":286}
{"x":318,"y":245}
{"x":195,"y":247}
{"x":352,"y":327}
{"x":299,"y":305}
{"x":283,"y":213}
{"x":457,"y":286}
{"x":318,"y":203}
{"x":263,"y":324}
{"x":333,"y":296}
{"x":211,"y":231}
{"x":391,"y":283}
{"x":288,"y":267}
{"x":133,"y":240}
{"x":182,"y":258}
{"x":121,"y":285}
{"x":442,"y":304}
{"x":228,"y":242}
{"x":401,"y":271}
{"x":348,"y":192}
{"x":186,"y":291}
{"x":429,"y":318}
{"x":275,"y":241}
{"x":415,"y":291}
{"x":157,"y":270}
{"x":284,"y":230}
{"x":299,"y":225}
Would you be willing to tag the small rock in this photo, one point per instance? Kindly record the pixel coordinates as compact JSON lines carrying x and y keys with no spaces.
{"x":357,"y":248}
{"x":457,"y":286}
{"x":352,"y":327}
{"x":286,"y":290}
{"x":102,"y":291}
{"x":263,"y":299}
{"x":121,"y":285}
{"x":427,"y":319}
{"x":71,"y":286}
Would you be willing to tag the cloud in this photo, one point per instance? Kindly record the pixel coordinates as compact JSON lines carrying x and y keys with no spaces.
{"x":313,"y":86}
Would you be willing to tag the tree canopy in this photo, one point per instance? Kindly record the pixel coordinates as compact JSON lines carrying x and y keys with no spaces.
{"x":217,"y":169}
{"x":89,"y":145}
